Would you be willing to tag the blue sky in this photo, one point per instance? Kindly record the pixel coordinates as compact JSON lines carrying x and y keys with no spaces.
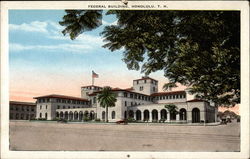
{"x":44,"y":61}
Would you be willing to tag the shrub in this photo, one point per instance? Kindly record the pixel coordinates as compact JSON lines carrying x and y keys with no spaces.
{"x":131,"y":120}
{"x":97,"y":120}
{"x":86,"y":118}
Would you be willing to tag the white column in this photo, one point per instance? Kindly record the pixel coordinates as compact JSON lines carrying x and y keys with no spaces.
{"x":150,"y":116}
{"x":159,"y":115}
{"x":142,"y":116}
{"x":135,"y":115}
{"x":168,"y":116}
{"x":177,"y":117}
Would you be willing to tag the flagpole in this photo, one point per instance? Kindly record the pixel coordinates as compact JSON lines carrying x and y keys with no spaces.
{"x":92,"y":80}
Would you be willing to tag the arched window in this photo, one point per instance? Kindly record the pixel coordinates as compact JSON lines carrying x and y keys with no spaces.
{"x":146,"y":115}
{"x":138,"y":115}
{"x":163,"y":114}
{"x":103,"y":115}
{"x":40,"y":116}
{"x":195,"y":115}
{"x":183,"y":114}
{"x":113,"y":114}
{"x":154,"y":115}
{"x":46,"y":115}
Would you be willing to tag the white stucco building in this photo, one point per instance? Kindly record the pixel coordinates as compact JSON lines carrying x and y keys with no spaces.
{"x":142,"y":102}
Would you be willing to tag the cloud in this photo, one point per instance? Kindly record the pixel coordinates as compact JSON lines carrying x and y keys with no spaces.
{"x":52,"y":31}
{"x":73,"y":48}
{"x":35,"y":26}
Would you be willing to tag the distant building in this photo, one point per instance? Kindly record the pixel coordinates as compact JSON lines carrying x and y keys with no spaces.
{"x":22,"y":110}
{"x":141,"y":102}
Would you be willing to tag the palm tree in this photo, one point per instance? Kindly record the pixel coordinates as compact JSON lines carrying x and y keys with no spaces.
{"x":106,"y":99}
{"x":78,"y":21}
{"x":173,"y":109}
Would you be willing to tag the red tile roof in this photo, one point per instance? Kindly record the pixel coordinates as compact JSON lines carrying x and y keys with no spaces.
{"x":168,"y":93}
{"x":144,"y":78}
{"x":22,"y":103}
{"x":61,"y":96}
{"x":196,"y":100}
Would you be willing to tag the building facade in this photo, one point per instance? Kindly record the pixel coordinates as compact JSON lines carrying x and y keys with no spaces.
{"x":142,"y":102}
{"x":22,"y":110}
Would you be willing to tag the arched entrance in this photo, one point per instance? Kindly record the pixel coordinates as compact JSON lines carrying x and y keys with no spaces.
{"x":172,"y":116}
{"x":154,"y":115}
{"x":66,"y":116}
{"x":86,"y":114}
{"x":57,"y":114}
{"x":163,"y":114}
{"x":81,"y":115}
{"x":138,"y":115}
{"x":183,"y":114}
{"x":103,"y":115}
{"x":195,"y":115}
{"x":70,"y":115}
{"x":92,"y":115}
{"x":146,"y":115}
{"x":61,"y":115}
{"x":131,"y":114}
{"x":75,"y":115}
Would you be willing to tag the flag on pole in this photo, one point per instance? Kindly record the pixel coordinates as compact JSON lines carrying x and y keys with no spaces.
{"x":94,"y":75}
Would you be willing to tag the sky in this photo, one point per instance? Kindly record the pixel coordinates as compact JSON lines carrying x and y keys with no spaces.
{"x":43,"y":61}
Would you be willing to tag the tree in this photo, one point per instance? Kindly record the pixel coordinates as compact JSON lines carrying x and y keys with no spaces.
{"x":106,"y":98}
{"x":198,"y":49}
{"x":172,"y":109}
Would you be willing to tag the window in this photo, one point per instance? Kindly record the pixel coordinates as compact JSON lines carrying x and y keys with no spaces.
{"x":131,"y":103}
{"x":22,"y":116}
{"x":153,"y":89}
{"x":40,"y":106}
{"x":170,"y":97}
{"x":94,"y":101}
{"x":131,"y":95}
{"x":28,"y":108}
{"x":141,"y":88}
{"x":22,"y":108}
{"x":68,"y":107}
{"x":58,"y":107}
{"x":63,"y":107}
{"x":135,"y":96}
{"x":125,"y":103}
{"x":40,"y":115}
{"x":46,"y":106}
{"x":125,"y":94}
{"x":68,"y":101}
{"x":145,"y":81}
{"x":184,"y":96}
{"x":173,"y":96}
{"x":27,"y":116}
{"x":46,"y":115}
{"x":17,"y":116}
{"x":137,"y":82}
{"x":74,"y":107}
{"x":32,"y":109}
{"x":17,"y":108}
{"x":113,"y":114}
{"x":47,"y":100}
